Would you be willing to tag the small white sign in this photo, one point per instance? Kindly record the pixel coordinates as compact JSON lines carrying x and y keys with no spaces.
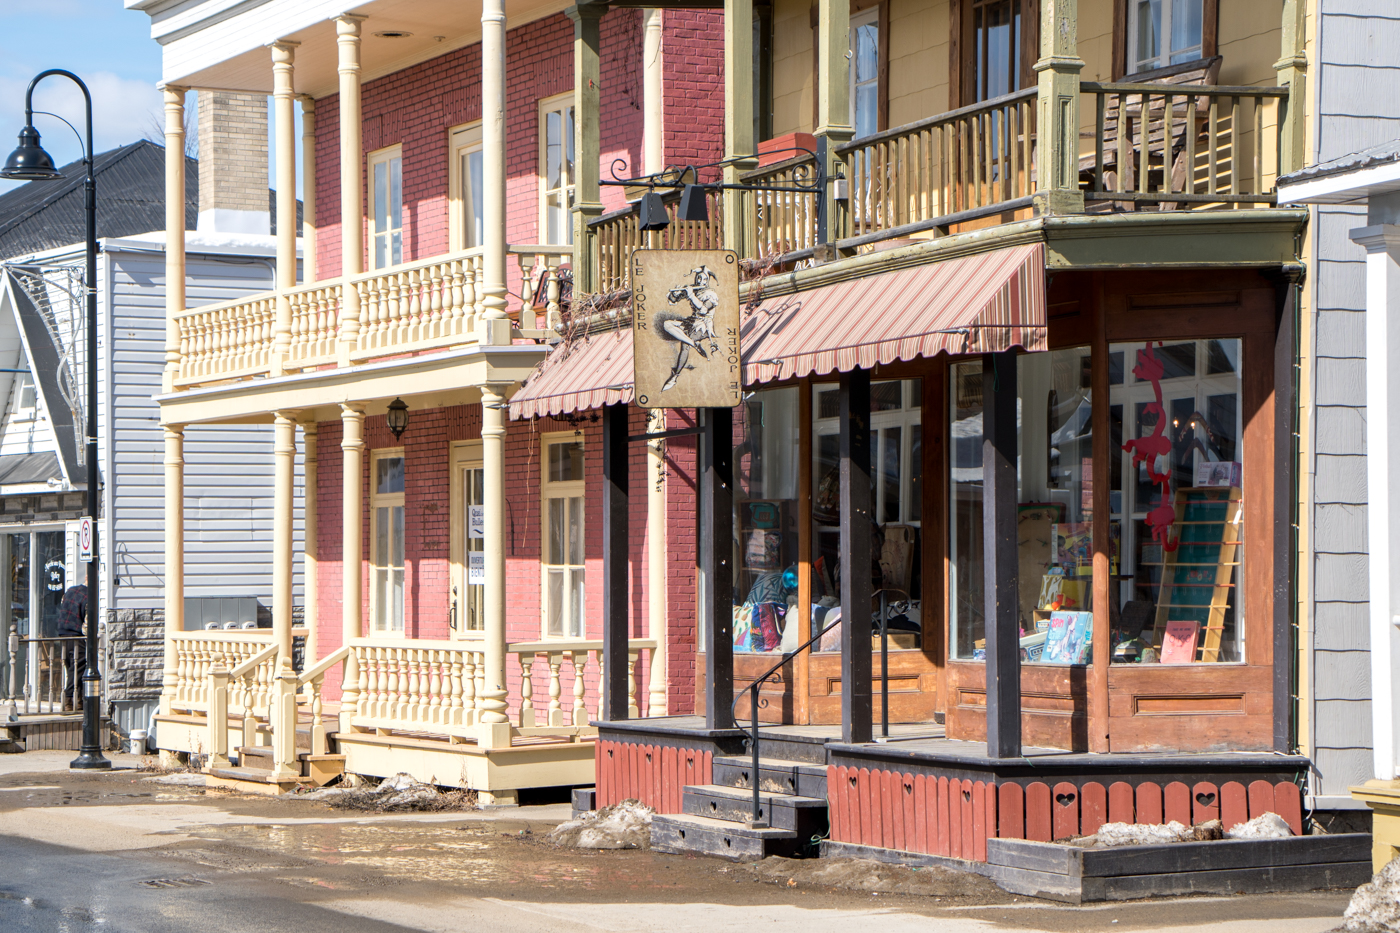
{"x":476,"y":567}
{"x":85,"y":539}
{"x":476,"y":521}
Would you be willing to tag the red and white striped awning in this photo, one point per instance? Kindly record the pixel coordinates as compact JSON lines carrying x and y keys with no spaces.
{"x":977,"y":304}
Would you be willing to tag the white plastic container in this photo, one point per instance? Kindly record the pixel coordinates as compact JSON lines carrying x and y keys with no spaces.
{"x":138,"y":741}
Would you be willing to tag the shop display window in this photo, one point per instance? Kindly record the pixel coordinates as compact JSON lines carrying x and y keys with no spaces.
{"x":1054,"y":515}
{"x":1177,"y":496}
{"x":896,"y":476}
{"x":766,"y":446}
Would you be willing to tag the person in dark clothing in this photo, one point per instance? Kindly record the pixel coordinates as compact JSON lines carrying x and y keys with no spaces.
{"x":72,"y":617}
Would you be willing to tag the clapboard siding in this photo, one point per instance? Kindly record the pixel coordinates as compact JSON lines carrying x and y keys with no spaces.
{"x":228,"y":468}
{"x":1354,"y":55}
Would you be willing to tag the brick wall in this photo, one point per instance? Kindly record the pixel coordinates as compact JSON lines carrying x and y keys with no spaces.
{"x":540,"y":64}
{"x":233,"y":151}
{"x":136,"y":645}
{"x":427,"y":534}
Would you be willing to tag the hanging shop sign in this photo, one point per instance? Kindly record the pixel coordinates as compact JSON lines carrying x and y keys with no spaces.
{"x":685,"y":328}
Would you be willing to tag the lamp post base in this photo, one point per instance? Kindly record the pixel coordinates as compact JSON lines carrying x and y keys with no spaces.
{"x":90,"y":760}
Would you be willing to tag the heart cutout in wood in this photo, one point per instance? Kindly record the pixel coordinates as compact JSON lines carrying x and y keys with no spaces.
{"x":909,"y":788}
{"x":853,"y":780}
{"x":1065,"y":800}
{"x":967,"y":795}
{"x":648,"y":757}
{"x":610,"y":753}
{"x":1205,"y":799}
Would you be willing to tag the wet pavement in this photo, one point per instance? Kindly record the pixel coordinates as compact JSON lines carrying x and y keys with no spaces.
{"x":115,"y":852}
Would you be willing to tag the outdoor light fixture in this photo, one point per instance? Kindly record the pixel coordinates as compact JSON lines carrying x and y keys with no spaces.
{"x":397,"y":417}
{"x":653,"y":213}
{"x":29,"y":162}
{"x":693,"y":204}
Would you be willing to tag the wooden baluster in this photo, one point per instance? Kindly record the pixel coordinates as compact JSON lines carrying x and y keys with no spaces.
{"x":579,"y":660}
{"x":527,"y":703}
{"x":318,"y":723}
{"x":1125,"y":144}
{"x":1190,"y":182}
{"x":480,"y":680}
{"x":439,"y":685}
{"x":1144,"y":139}
{"x":468,"y":688}
{"x":556,"y":711}
{"x":452,"y":687}
{"x":632,"y":712}
{"x":468,"y":296}
{"x":455,"y":319}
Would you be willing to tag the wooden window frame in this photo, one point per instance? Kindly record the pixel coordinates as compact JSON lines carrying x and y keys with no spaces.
{"x":377,"y":501}
{"x":547,"y":105}
{"x":379,"y":157}
{"x":562,"y":489}
{"x":962,"y":77}
{"x":462,"y":455}
{"x":1210,"y":34}
{"x":461,"y":140}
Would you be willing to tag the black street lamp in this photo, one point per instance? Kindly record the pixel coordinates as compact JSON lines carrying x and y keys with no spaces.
{"x":29,"y":162}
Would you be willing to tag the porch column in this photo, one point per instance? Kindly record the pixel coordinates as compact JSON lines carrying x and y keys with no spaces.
{"x":656,"y":563}
{"x":174,"y":556}
{"x":352,"y":449}
{"x":174,"y":229}
{"x":308,"y":188}
{"x":653,"y":97}
{"x":1057,"y":123}
{"x":588,"y":202}
{"x":738,"y":120}
{"x":352,"y":230}
{"x":491,"y":699}
{"x":1292,"y":68}
{"x":1382,"y":243}
{"x":999,"y":557}
{"x":615,"y":565}
{"x":495,"y":326}
{"x":285,"y":161}
{"x":284,"y":451}
{"x":310,"y":587}
{"x":833,"y":101}
{"x":856,"y":704}
{"x":716,"y":555}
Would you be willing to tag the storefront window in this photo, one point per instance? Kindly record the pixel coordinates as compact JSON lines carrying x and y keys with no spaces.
{"x":896,"y":477}
{"x":1177,"y":482}
{"x":1054,"y":520}
{"x":766,"y":445}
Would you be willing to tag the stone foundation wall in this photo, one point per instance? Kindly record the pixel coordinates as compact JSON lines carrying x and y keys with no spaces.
{"x":135,"y":652}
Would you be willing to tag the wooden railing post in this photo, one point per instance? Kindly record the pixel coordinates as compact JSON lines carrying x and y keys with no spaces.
{"x":1292,"y":68}
{"x":833,"y":104}
{"x":1057,"y":153}
{"x":218,"y":717}
{"x":284,"y":725}
{"x":738,"y":120}
{"x":588,"y":203}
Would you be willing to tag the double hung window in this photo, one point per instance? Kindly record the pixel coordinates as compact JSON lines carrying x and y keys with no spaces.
{"x":465,"y":187}
{"x":562,"y":517}
{"x":386,"y":542}
{"x":1164,"y":32}
{"x":386,"y":206}
{"x":557,"y":169}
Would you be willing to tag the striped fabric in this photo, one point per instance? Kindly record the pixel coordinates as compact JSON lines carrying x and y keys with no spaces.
{"x":976,"y":304}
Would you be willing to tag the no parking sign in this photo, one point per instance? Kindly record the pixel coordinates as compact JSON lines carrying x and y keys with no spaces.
{"x":85,"y":539}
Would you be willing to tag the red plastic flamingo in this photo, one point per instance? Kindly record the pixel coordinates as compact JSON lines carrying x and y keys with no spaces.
{"x":1146,"y":450}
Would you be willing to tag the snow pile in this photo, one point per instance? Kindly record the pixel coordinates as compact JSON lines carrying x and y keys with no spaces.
{"x":402,"y":792}
{"x":625,"y":825}
{"x":1149,"y":834}
{"x":873,"y":877}
{"x":1375,"y":907}
{"x":179,"y":778}
{"x":1264,"y":826}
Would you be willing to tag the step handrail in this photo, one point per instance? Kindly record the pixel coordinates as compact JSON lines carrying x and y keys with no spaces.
{"x":323,"y":665}
{"x":250,"y":665}
{"x":755,"y":703}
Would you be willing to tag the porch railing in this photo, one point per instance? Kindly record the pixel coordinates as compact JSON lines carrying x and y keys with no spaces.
{"x":972,"y":158}
{"x":783,"y":221}
{"x":420,"y":305}
{"x":41,"y":673}
{"x":1183,"y":146}
{"x":197,"y":654}
{"x":617,"y":233}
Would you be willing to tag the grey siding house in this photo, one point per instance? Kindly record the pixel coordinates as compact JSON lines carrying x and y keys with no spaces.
{"x":1354,"y":76}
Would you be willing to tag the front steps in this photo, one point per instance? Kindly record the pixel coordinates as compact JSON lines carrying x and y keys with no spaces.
{"x":253,"y":773}
{"x":716,"y":817}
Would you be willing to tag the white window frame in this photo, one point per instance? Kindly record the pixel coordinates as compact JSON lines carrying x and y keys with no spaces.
{"x":557,"y":104}
{"x":1136,"y":63}
{"x":394,"y":625}
{"x":23,"y":412}
{"x":387,"y":157}
{"x":566,"y":491}
{"x":870,"y":17}
{"x":462,"y":141}
{"x":466,"y":597}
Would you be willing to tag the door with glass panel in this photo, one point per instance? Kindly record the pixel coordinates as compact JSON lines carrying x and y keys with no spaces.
{"x":36,"y":579}
{"x":387,"y":551}
{"x":469,"y":600}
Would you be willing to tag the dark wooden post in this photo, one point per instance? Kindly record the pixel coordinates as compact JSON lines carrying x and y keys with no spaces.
{"x":856,"y":707}
{"x":999,"y":557}
{"x":615,"y":603}
{"x":1285,"y":507}
{"x":716,"y":555}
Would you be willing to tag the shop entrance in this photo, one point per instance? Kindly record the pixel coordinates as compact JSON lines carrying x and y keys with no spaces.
{"x":32,"y":666}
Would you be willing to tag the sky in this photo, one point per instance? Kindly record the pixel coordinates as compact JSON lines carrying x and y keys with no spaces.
{"x":106,"y":45}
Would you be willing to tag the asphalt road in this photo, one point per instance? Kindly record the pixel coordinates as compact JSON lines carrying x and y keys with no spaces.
{"x":120,"y":853}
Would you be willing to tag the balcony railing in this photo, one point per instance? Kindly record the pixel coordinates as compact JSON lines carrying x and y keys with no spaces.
{"x":421,"y":305}
{"x":616,"y":234}
{"x":783,"y":221}
{"x":1183,"y":146}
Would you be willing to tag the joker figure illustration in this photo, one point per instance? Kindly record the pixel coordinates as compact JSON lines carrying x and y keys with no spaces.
{"x":691,"y":331}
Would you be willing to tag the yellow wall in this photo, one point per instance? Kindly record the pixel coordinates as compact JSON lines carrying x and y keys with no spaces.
{"x":1250,"y":35}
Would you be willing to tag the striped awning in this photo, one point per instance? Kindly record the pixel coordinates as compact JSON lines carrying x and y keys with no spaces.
{"x":976,"y":304}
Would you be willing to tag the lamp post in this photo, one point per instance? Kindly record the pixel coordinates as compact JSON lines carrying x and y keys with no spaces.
{"x":29,"y":162}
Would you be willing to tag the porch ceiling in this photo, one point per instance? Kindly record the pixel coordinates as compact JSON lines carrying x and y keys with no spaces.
{"x":432,"y":381}
{"x":230,"y":53}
